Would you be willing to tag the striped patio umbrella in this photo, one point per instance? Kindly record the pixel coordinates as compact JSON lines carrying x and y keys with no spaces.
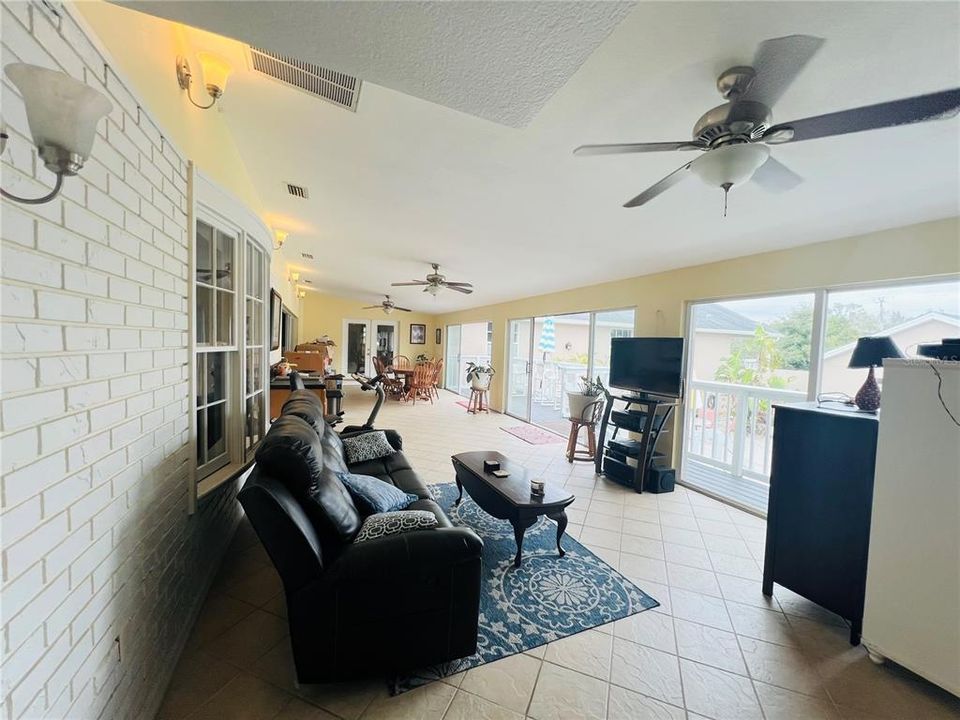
{"x":548,"y":337}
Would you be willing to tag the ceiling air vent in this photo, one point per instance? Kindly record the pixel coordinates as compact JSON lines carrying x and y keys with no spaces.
{"x":336,"y":87}
{"x":307,"y":256}
{"x":297,"y":191}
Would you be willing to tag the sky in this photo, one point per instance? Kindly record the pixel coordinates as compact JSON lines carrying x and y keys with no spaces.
{"x":909,"y":301}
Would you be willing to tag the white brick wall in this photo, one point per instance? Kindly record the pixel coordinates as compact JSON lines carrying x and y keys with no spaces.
{"x":96,"y":540}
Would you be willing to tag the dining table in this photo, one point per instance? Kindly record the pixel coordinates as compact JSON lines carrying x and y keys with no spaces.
{"x":406,"y":372}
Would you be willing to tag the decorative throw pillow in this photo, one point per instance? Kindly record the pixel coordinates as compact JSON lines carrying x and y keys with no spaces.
{"x":369,"y":446}
{"x":373,"y":495}
{"x":394,"y":523}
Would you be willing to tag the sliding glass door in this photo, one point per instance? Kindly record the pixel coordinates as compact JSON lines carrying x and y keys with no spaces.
{"x":548,"y":355}
{"x":746,"y":355}
{"x":469,"y":342}
{"x":519,"y":368}
{"x":742,"y":357}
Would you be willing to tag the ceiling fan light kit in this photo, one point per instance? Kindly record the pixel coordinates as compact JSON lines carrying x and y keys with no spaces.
{"x":388,"y":306}
{"x":730,"y":164}
{"x":733,"y":137}
{"x":435,"y":282}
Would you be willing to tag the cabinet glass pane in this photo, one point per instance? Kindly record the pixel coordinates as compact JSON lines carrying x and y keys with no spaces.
{"x":201,"y":436}
{"x":212,"y":383}
{"x":254,"y":421}
{"x":204,"y":253}
{"x":201,"y":376}
{"x":216,"y":436}
{"x":254,"y":321}
{"x":258,"y":289}
{"x":254,"y":272}
{"x":254,"y":370}
{"x":224,"y":260}
{"x":204,"y":318}
{"x":224,"y":318}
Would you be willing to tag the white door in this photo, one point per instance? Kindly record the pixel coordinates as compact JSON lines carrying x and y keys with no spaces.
{"x":364,"y":338}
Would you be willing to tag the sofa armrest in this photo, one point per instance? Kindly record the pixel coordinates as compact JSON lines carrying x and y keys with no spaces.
{"x":419,"y":552}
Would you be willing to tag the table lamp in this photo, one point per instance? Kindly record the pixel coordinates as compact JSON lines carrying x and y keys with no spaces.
{"x":870,"y":352}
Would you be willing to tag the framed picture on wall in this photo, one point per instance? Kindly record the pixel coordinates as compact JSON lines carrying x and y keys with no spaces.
{"x":418,"y":334}
{"x":276,"y":308}
{"x":439,"y":335}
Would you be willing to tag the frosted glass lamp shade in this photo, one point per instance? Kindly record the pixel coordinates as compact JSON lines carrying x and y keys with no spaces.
{"x":388,"y":309}
{"x":730,"y":164}
{"x":62,"y":113}
{"x":216,"y":70}
{"x":432,"y":289}
{"x":280,"y":237}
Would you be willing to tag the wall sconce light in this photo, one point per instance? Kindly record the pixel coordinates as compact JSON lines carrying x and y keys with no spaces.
{"x":280,"y":237}
{"x":215,"y":72}
{"x":294,"y":277}
{"x":301,"y":294}
{"x":62,"y":114}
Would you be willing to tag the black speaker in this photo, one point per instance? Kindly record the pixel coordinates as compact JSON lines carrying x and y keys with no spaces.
{"x":660,"y":479}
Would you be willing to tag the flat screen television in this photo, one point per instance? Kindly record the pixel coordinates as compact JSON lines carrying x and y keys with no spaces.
{"x":651,"y":365}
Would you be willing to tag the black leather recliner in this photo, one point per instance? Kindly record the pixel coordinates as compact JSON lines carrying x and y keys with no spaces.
{"x":386,"y":605}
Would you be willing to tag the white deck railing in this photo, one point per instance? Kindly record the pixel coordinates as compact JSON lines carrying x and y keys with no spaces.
{"x":731,"y":426}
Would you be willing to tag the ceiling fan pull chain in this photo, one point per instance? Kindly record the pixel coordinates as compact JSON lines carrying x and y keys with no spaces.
{"x":726,"y":193}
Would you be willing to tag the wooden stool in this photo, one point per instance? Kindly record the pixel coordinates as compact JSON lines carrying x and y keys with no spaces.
{"x":477,"y":402}
{"x":588,"y":419}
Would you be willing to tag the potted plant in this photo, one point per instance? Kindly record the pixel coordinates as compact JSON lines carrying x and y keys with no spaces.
{"x":589,"y":392}
{"x":421,"y":358}
{"x":479,"y":375}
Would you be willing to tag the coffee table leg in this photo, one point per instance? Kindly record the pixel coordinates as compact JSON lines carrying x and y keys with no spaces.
{"x":561,"y":519}
{"x":460,"y":488}
{"x":518,"y":530}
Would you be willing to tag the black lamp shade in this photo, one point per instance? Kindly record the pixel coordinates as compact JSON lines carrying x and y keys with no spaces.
{"x":870,"y":352}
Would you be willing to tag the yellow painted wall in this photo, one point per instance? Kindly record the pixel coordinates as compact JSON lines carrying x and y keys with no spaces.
{"x":916,"y":251}
{"x":145,"y":49}
{"x":324,"y":314}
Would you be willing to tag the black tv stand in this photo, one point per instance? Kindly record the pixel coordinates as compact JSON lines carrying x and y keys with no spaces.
{"x":645,"y":415}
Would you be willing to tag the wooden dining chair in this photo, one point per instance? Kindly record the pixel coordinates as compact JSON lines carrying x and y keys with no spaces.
{"x":421,"y":385}
{"x":437,"y":374}
{"x":401,"y":361}
{"x":391,"y":385}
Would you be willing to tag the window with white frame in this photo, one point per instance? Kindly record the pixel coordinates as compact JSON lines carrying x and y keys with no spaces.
{"x":231,"y":287}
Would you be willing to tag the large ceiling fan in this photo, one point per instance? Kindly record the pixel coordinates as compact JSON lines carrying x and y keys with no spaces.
{"x":436,"y":282}
{"x":388,"y":306}
{"x":734,"y":137}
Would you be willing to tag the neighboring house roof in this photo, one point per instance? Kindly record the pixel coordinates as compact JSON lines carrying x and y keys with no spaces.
{"x":716,"y":316}
{"x":900,"y":327}
{"x":605,"y":318}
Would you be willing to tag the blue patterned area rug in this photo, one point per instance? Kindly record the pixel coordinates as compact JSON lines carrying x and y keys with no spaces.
{"x":545,"y":599}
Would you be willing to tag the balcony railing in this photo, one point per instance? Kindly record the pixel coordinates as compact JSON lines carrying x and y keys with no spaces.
{"x":731,"y":426}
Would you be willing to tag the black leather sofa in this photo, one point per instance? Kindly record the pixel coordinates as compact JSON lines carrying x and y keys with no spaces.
{"x":382,"y":606}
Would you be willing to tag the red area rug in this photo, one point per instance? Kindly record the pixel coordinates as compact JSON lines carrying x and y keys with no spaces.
{"x":533,"y":434}
{"x":461,"y":403}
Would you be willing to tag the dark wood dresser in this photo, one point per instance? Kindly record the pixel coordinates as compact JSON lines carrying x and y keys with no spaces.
{"x":821,"y":496}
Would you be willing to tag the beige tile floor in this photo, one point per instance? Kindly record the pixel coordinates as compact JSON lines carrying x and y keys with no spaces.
{"x":715,"y":648}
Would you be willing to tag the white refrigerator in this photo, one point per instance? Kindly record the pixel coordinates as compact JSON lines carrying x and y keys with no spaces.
{"x":912,"y":604}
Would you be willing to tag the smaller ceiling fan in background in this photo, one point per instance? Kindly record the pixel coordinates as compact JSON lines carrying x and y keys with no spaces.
{"x":733,"y":137}
{"x":388,"y":306}
{"x":436,"y":282}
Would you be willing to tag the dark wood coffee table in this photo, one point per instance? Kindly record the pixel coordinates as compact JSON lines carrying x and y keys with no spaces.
{"x":509,"y":498}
